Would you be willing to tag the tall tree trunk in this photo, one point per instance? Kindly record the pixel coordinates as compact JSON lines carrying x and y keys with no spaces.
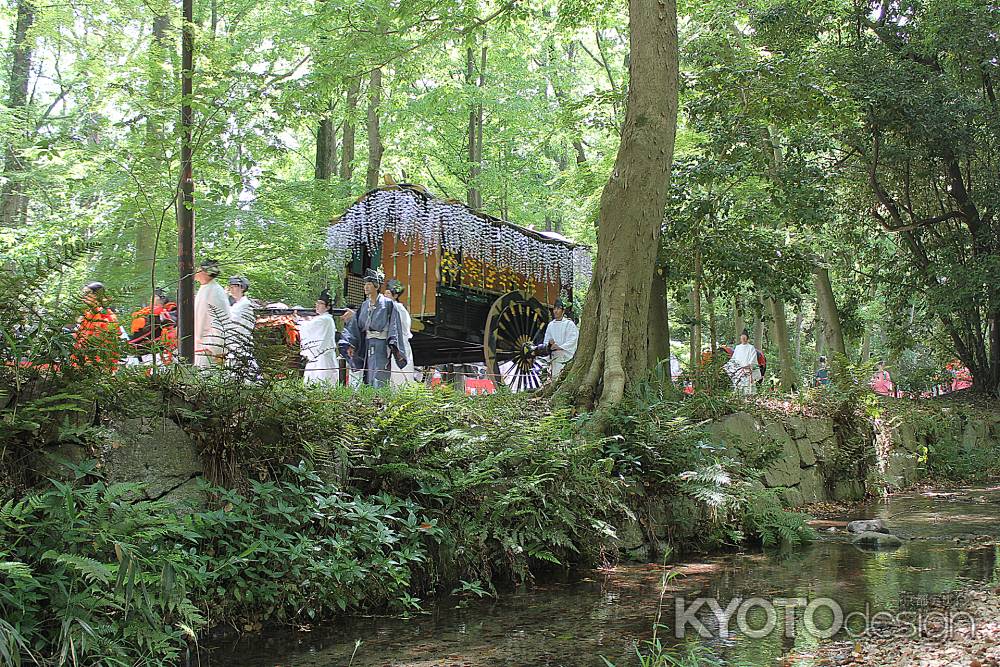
{"x":147,"y":227}
{"x":828,"y":306}
{"x":13,"y":201}
{"x":866,"y":345}
{"x":347,"y":152}
{"x":866,"y":338}
{"x":185,"y":210}
{"x":696,"y":312}
{"x":738,"y":321}
{"x":375,"y":147}
{"x":779,"y":334}
{"x":613,"y":347}
{"x":474,"y":194}
{"x":798,"y":336}
{"x":713,"y":332}
{"x":819,"y":331}
{"x":659,"y":327}
{"x":758,"y":327}
{"x":326,"y":150}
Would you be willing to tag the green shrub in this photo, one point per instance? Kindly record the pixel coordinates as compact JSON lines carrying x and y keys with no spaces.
{"x":90,"y":576}
{"x":660,"y":448}
{"x":90,"y":571}
{"x":302,"y":549}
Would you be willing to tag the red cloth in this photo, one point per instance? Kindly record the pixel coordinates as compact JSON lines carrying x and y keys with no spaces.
{"x":962,"y":376}
{"x":166,"y":330}
{"x":474,"y":386}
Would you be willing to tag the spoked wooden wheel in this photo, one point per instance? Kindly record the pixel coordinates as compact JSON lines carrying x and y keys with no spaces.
{"x":514,"y":326}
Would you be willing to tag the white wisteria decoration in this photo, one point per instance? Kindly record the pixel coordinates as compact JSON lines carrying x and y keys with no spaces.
{"x":429,"y":225}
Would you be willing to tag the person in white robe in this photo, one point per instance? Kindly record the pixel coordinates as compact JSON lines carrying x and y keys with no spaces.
{"x":743,"y":366}
{"x":561,"y":336}
{"x":211,"y":317}
{"x":239,"y":342}
{"x":401,"y":376}
{"x":318,"y":344}
{"x":675,"y":367}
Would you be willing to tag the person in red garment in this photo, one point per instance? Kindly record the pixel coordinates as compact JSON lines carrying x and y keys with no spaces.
{"x":882,"y":381}
{"x":154,"y":329}
{"x":98,"y":334}
{"x":961,"y":377}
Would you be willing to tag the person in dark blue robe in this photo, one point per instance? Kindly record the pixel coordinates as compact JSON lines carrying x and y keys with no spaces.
{"x":373,"y":334}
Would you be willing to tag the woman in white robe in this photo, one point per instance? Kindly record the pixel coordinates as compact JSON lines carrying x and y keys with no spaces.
{"x":743,"y":367}
{"x":318,"y":344}
{"x":401,"y":376}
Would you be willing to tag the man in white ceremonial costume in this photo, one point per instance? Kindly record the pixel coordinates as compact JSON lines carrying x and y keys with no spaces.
{"x":675,"y":367}
{"x":211,"y":316}
{"x":743,"y":366}
{"x":561,"y":336}
{"x":318,"y":344}
{"x":401,"y":376}
{"x":243,"y":320}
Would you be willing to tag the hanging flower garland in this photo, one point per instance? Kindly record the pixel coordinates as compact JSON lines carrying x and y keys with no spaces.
{"x":431,"y":224}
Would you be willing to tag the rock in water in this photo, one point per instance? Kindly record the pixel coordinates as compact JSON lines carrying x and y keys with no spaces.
{"x":877,"y":540}
{"x":867,"y":526}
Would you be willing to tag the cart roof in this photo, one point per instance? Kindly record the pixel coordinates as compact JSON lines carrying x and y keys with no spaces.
{"x":432,"y":224}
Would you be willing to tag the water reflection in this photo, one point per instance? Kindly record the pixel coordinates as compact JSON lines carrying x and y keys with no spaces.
{"x":608,"y":613}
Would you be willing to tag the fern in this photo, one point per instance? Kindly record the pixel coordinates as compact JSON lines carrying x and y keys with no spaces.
{"x":16,"y":570}
{"x":92,"y":570}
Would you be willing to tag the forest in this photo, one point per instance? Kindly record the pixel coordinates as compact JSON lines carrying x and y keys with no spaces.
{"x":816,"y":180}
{"x":833,"y":182}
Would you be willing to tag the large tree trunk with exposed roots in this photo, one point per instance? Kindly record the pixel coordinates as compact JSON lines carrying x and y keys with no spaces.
{"x":613,"y":347}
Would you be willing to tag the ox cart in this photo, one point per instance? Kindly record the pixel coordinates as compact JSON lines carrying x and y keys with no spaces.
{"x":478,"y":288}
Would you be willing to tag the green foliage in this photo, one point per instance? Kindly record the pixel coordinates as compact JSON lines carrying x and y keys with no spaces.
{"x":91,"y":571}
{"x":302,"y":549}
{"x":93,"y":576}
{"x":764,"y":516}
{"x":44,"y":393}
{"x":944,"y":454}
{"x":713,"y":495}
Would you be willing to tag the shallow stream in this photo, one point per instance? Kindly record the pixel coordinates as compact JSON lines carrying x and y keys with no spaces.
{"x":948,"y":543}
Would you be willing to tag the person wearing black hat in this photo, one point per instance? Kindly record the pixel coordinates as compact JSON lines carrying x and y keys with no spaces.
{"x":242,"y":320}
{"x":211,"y":316}
{"x":318,"y":344}
{"x":373,"y":334}
{"x":401,"y":375}
{"x":561,"y":337}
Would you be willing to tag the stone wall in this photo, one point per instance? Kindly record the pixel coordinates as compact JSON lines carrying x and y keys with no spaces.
{"x":812,"y":465}
{"x":155,"y":452}
{"x":806,"y":447}
{"x":901,"y":443}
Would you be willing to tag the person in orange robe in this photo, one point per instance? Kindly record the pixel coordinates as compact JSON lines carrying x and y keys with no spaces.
{"x":154,"y":329}
{"x":98,"y":334}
